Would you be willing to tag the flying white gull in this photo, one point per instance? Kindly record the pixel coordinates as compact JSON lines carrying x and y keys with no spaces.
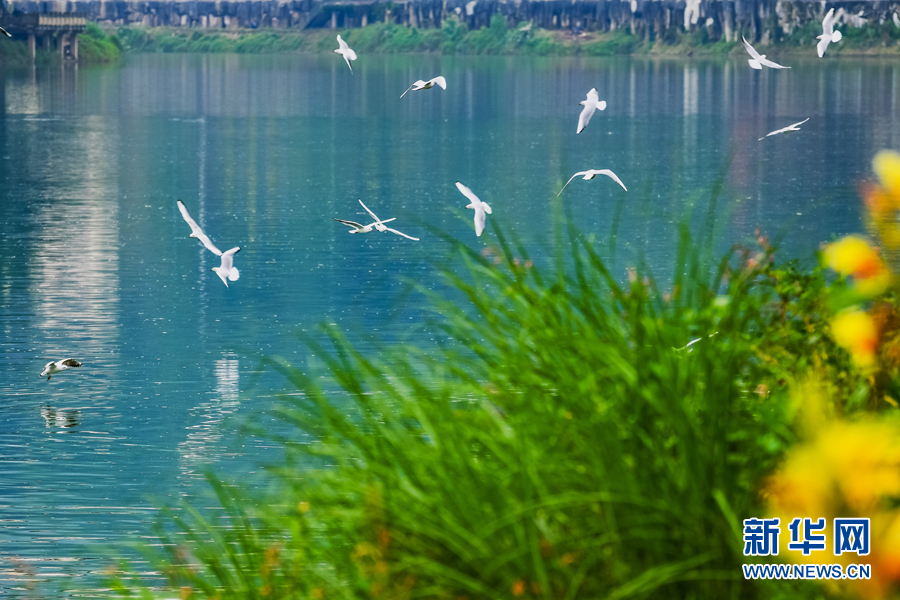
{"x":480,"y":207}
{"x":378,"y":225}
{"x":757,"y":60}
{"x":794,"y":127}
{"x":590,"y":174}
{"x":427,"y":85}
{"x":345,"y":51}
{"x":227,"y":271}
{"x":5,"y":32}
{"x":52,"y":368}
{"x":828,"y":33}
{"x":358,"y":227}
{"x":590,"y":105}
{"x":196,"y":232}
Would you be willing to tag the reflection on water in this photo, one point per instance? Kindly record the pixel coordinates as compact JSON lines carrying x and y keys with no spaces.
{"x":204,"y":444}
{"x":96,"y":263}
{"x":55,"y":418}
{"x":75,"y":283}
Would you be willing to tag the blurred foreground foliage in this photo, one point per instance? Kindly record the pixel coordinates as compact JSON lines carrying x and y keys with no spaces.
{"x":574,"y":436}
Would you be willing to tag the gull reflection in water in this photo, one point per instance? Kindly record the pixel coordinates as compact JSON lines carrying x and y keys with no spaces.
{"x":204,"y":442}
{"x":56,"y":418}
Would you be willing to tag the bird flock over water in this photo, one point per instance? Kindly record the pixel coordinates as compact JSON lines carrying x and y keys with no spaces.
{"x":758,"y":61}
{"x":592,"y":103}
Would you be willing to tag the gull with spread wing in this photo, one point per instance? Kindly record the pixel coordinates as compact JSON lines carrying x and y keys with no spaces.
{"x":378,"y":225}
{"x":51,"y":368}
{"x":427,"y":85}
{"x":196,"y":232}
{"x":591,"y":104}
{"x":590,"y":174}
{"x":828,"y":33}
{"x":360,"y":228}
{"x":757,"y":60}
{"x":480,"y":207}
{"x":345,"y":51}
{"x":226,"y":270}
{"x":794,"y":127}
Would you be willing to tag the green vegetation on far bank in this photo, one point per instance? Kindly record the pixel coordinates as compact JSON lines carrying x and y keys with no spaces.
{"x":454,"y":37}
{"x":15,"y":53}
{"x":96,"y":46}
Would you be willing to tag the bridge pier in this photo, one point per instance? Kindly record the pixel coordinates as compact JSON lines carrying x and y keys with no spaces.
{"x":44,"y":27}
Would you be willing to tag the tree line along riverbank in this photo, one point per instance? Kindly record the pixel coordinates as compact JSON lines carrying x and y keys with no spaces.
{"x":453,"y":37}
{"x":497,"y":38}
{"x":547,"y":27}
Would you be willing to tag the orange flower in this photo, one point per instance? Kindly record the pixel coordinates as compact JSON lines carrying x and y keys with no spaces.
{"x":855,"y":330}
{"x":854,"y":256}
{"x":518,"y":588}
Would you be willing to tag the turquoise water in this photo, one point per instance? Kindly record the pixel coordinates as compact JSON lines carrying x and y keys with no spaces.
{"x":96,"y":263}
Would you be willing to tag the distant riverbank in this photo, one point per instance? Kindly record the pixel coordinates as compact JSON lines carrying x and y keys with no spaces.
{"x":98,"y":45}
{"x":454,"y":37}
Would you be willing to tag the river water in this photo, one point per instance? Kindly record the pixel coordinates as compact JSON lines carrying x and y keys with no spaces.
{"x":96,"y":263}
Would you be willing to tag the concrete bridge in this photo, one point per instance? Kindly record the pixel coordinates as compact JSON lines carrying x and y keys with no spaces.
{"x":56,"y":30}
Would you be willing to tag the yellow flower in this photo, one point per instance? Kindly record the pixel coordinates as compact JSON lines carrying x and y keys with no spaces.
{"x":883,"y":200}
{"x":854,"y":256}
{"x":848,"y":470}
{"x":855,"y":330}
{"x":887,"y":166}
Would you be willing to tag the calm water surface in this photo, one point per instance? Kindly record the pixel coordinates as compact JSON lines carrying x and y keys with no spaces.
{"x":95,"y":262}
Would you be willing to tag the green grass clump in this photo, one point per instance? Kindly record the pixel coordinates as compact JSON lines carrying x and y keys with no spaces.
{"x":171,"y":40}
{"x":95,"y":46}
{"x":562,"y":441}
{"x":15,"y":52}
{"x":872,"y":35}
{"x":621,"y":42}
{"x":387,"y":38}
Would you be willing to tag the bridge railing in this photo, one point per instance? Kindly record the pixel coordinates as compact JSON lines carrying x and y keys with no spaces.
{"x":56,"y":20}
{"x":46,"y":22}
